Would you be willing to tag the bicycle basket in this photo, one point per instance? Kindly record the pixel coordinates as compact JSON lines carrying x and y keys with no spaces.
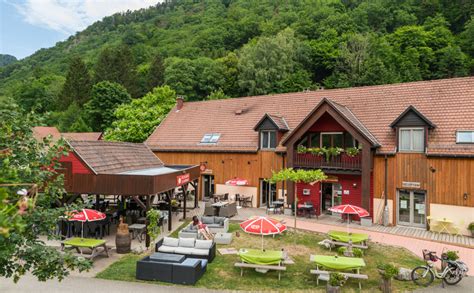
{"x":428,"y":255}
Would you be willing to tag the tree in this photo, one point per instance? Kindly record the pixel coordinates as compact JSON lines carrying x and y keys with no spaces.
{"x":28,"y":164}
{"x":77,"y":86}
{"x":297,"y":176}
{"x":217,"y":95}
{"x":156,"y":72}
{"x":106,"y":96}
{"x":137,"y":120}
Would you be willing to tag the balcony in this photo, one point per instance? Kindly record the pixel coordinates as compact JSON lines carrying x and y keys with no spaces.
{"x":341,"y":162}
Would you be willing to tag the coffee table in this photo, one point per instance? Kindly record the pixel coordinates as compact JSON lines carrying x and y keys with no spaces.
{"x":223,"y":238}
{"x":167,"y":257}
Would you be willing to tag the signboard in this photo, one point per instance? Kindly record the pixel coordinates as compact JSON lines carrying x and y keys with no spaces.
{"x":346,"y":192}
{"x":203,"y":167}
{"x":408,"y":184}
{"x":182,"y":179}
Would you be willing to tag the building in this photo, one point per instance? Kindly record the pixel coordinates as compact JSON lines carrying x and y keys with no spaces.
{"x":41,"y":132}
{"x":410,"y":145}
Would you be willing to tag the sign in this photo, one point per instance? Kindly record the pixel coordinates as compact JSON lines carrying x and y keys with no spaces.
{"x":346,"y":192}
{"x":306,"y":192}
{"x":403,"y":204}
{"x":203,"y":167}
{"x":182,"y":179}
{"x":408,"y":184}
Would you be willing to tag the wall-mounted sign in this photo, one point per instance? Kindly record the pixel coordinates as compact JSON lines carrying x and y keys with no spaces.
{"x":408,"y":184}
{"x":203,"y":167}
{"x":182,"y":179}
{"x":306,"y":192}
{"x":346,"y":192}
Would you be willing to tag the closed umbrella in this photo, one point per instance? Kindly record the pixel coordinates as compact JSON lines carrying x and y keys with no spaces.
{"x":86,"y":215}
{"x":262,"y":226}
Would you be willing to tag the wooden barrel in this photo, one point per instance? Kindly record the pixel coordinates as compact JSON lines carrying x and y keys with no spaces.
{"x":123,"y":241}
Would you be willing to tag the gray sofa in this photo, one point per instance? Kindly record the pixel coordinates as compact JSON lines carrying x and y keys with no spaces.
{"x":214,"y":224}
{"x":189,"y":247}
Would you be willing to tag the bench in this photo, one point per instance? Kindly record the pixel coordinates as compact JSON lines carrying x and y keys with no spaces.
{"x":243,"y":265}
{"x":361,"y":246}
{"x":324,"y":276}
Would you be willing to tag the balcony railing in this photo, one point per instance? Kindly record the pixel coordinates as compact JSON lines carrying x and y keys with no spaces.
{"x":342,"y":161}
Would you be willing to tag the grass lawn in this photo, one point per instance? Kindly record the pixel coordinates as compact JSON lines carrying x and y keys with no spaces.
{"x":221,"y":273}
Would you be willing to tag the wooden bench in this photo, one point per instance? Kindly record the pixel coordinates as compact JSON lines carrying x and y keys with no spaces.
{"x":243,"y":265}
{"x":324,"y":276}
{"x":361,"y":246}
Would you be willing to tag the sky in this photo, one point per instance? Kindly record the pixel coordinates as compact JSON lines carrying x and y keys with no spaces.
{"x":29,"y":25}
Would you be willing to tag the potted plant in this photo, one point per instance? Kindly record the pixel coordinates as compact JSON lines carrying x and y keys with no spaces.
{"x":448,"y":255}
{"x":352,"y":151}
{"x":336,"y":280}
{"x":471,"y":228}
{"x":387,"y":271}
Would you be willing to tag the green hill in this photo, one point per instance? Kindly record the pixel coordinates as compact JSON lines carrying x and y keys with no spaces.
{"x":6,"y":59}
{"x":230,"y":48}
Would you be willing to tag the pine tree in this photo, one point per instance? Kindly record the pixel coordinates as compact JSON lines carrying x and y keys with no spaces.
{"x":77,"y":86}
{"x":156,"y":72}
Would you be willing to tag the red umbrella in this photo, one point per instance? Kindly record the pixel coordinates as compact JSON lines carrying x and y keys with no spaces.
{"x":262,"y":226}
{"x":350,"y":210}
{"x":86,"y":215}
{"x":237,"y":182}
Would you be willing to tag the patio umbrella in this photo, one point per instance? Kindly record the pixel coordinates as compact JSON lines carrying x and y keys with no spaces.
{"x":86,"y":215}
{"x":262,"y":226}
{"x":349,"y":209}
{"x":237,"y":182}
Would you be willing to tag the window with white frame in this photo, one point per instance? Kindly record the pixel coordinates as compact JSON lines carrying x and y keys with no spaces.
{"x":268,"y":139}
{"x":465,"y":136}
{"x":210,"y":138}
{"x":411,"y":139}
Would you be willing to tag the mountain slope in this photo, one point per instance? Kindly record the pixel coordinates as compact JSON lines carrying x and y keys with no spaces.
{"x":6,"y":59}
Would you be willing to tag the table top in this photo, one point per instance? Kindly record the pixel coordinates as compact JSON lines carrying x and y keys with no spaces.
{"x":338,"y":262}
{"x":220,"y":204}
{"x":444,"y":220}
{"x":137,"y":226}
{"x":345,"y":237}
{"x":257,"y":256}
{"x":278,"y":202}
{"x":167,"y":257}
{"x":84,"y":242}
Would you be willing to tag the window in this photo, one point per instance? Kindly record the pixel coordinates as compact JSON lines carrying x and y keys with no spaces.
{"x":465,"y":136}
{"x":268,"y":139}
{"x":315,"y":140}
{"x":332,"y":139}
{"x":210,"y":138}
{"x":411,"y":139}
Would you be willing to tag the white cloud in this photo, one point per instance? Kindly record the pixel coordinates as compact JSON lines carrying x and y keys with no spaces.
{"x":70,"y":16}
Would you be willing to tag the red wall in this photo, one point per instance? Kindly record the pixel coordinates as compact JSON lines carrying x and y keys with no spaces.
{"x":78,"y":167}
{"x":326,"y":124}
{"x":347,"y":181}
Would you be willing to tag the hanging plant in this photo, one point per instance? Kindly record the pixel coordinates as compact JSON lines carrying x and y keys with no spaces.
{"x":352,"y":151}
{"x":331,"y":152}
{"x":301,"y":149}
{"x":152,"y":217}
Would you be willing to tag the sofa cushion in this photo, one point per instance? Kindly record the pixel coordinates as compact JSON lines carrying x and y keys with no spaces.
{"x":188,"y":230}
{"x":203,"y":244}
{"x":219,"y":220}
{"x":183,"y":250}
{"x":214,"y":226}
{"x":173,"y":242}
{"x":166,"y":249}
{"x":189,"y":262}
{"x":186,"y":242}
{"x":207,"y":220}
{"x":203,"y":263}
{"x":195,"y":251}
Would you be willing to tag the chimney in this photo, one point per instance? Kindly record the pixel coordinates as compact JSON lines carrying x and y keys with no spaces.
{"x":179,"y":102}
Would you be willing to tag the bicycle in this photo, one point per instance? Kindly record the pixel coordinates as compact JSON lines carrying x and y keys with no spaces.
{"x":451,"y":275}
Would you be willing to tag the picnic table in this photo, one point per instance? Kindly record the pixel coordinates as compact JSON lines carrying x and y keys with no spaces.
{"x":337,"y":263}
{"x":261,"y":261}
{"x":96,"y":246}
{"x":346,"y":237}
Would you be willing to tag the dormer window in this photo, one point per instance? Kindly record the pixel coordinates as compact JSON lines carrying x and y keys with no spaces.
{"x":268,"y":139}
{"x":465,"y":136}
{"x":210,"y":138}
{"x":411,"y":139}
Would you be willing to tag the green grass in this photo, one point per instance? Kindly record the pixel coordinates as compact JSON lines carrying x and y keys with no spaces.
{"x":222,"y":274}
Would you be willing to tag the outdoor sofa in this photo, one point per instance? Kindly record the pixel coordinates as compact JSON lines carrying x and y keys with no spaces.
{"x":214,"y":224}
{"x":189,"y":247}
{"x":171,"y":268}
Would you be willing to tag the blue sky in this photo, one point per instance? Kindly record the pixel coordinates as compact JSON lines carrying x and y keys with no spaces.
{"x":29,"y":25}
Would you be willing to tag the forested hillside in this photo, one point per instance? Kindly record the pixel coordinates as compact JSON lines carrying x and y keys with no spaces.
{"x":230,"y":48}
{"x":6,"y":59}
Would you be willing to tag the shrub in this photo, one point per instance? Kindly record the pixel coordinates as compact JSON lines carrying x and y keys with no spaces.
{"x":451,"y":255}
{"x":357,"y":252}
{"x":336,"y":279}
{"x":470,"y":227}
{"x":387,"y":270}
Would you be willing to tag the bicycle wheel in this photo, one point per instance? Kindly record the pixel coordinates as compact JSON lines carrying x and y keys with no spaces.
{"x":453,"y":276}
{"x":422,"y":276}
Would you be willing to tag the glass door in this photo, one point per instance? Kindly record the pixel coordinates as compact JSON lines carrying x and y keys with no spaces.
{"x":411,"y":208}
{"x":208,"y":186}
{"x":268,"y":193}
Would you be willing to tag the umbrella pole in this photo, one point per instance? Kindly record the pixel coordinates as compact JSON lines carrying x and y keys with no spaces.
{"x":262,"y":242}
{"x":82,"y":230}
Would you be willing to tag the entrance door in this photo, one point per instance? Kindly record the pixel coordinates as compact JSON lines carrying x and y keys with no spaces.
{"x":268,"y":193}
{"x":331,"y":196}
{"x":411,"y":208}
{"x":208,"y":186}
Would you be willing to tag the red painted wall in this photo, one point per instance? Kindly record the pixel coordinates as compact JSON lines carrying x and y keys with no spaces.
{"x":326,"y":124}
{"x":347,"y":181}
{"x":78,"y":167}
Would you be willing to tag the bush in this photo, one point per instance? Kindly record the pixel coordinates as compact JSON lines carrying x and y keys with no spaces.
{"x":336,"y":279}
{"x":387,"y":270}
{"x":357,"y":252}
{"x":470,"y":227}
{"x":451,"y":255}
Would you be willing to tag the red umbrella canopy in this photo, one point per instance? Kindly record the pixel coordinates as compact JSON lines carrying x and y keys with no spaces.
{"x":350,"y":209}
{"x":237,"y":182}
{"x":87,"y":215}
{"x":262,"y":226}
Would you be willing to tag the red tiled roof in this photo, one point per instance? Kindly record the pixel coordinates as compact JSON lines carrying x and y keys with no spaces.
{"x":82,"y":135}
{"x":40,"y":132}
{"x":448,"y":103}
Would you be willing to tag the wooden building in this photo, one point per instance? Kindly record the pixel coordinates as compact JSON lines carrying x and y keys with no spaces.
{"x":406,"y":146}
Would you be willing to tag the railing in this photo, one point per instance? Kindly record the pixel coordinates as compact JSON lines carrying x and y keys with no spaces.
{"x":342,"y":161}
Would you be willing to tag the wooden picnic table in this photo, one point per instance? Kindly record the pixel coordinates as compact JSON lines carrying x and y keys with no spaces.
{"x":261,"y":260}
{"x":346,"y":237}
{"x":97,"y":246}
{"x":338,"y":263}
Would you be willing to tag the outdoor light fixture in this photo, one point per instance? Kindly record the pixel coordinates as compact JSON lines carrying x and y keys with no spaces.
{"x":432,"y":169}
{"x":465,"y":196}
{"x":354,"y":185}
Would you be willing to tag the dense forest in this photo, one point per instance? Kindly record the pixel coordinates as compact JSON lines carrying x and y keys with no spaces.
{"x":6,"y":59}
{"x":98,"y":78}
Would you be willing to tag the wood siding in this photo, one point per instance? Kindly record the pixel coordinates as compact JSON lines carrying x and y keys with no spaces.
{"x":445,"y":180}
{"x":225,"y":166}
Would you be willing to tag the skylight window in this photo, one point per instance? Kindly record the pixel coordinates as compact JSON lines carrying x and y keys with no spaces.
{"x":210,"y":138}
{"x":465,"y":136}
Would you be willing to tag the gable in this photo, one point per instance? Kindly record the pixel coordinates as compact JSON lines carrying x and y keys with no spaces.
{"x":412,"y":118}
{"x":267,"y":124}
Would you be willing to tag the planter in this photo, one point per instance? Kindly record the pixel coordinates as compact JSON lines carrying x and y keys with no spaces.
{"x":288,"y":212}
{"x":123,"y":241}
{"x":366,"y":222}
{"x":385,"y":284}
{"x":333,"y":289}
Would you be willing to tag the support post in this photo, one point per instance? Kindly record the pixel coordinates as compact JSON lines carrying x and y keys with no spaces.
{"x":366,"y":166}
{"x":97,"y":198}
{"x":195,"y":185}
{"x":185,"y":190}
{"x":170,"y":218}
{"x":147,"y":237}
